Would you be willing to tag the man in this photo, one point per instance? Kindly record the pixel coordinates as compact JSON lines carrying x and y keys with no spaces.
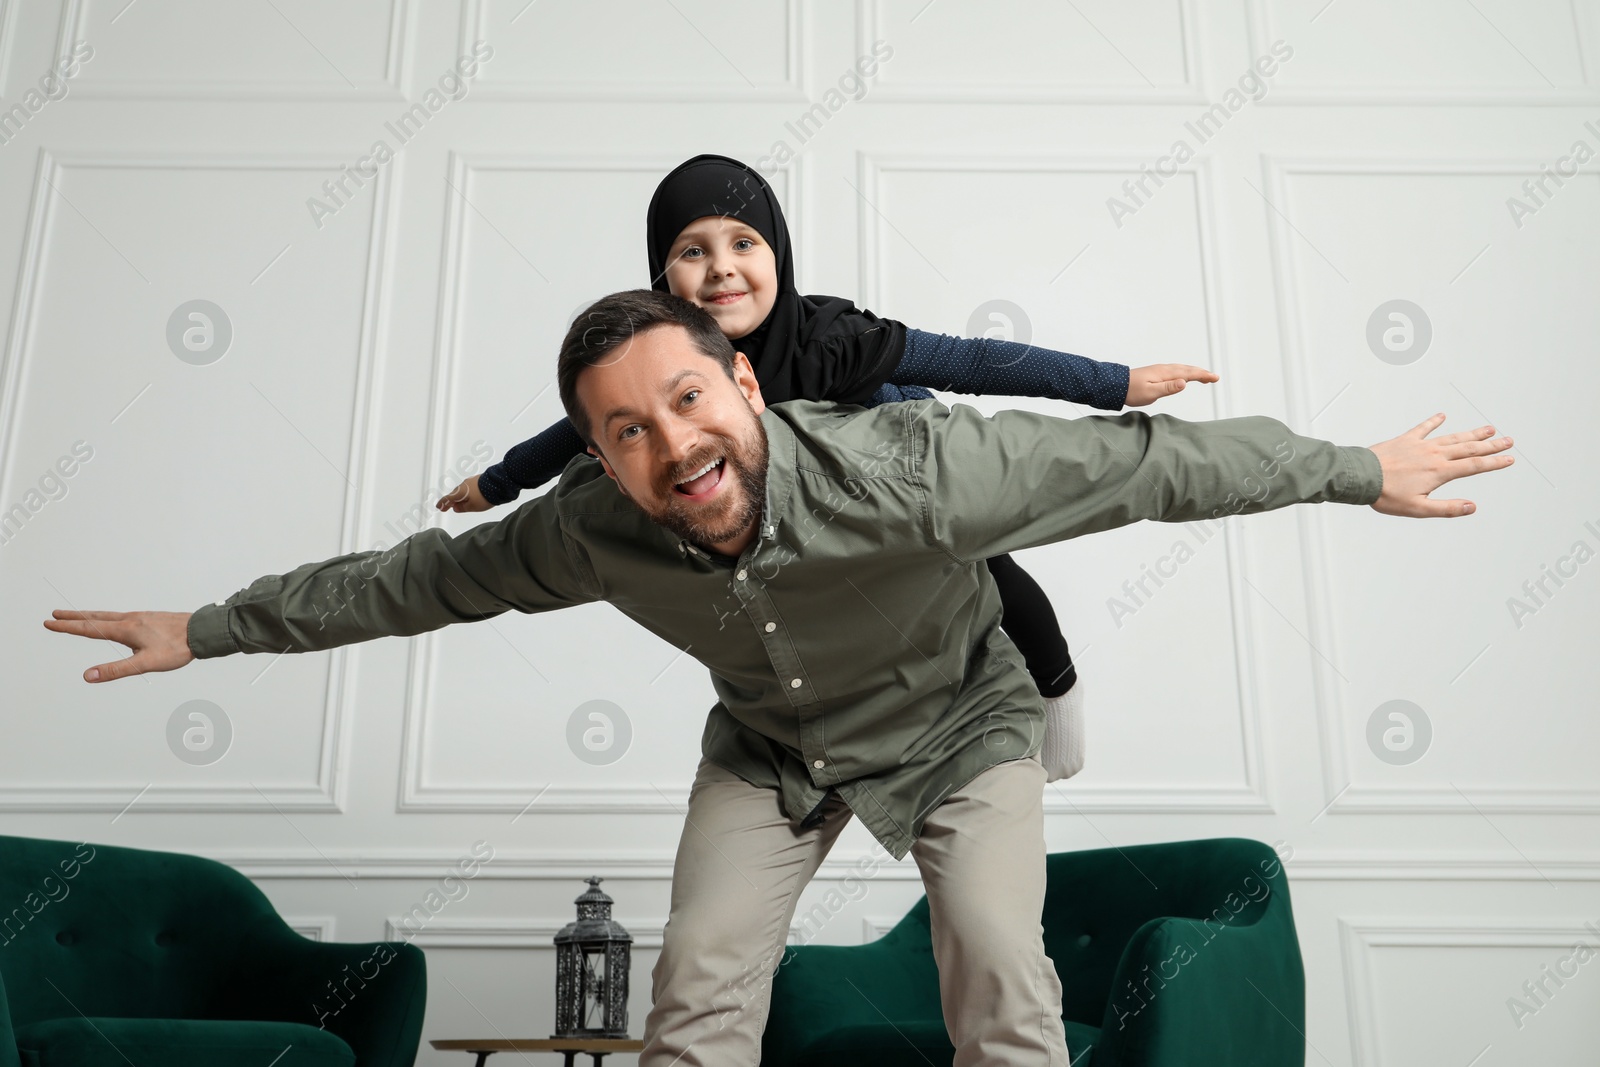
{"x":825,"y":562}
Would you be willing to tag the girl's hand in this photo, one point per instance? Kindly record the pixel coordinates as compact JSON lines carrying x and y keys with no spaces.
{"x":464,"y":497}
{"x":1146,"y":385}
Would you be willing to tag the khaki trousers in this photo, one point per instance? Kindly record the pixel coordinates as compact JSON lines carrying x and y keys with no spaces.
{"x":741,"y":865}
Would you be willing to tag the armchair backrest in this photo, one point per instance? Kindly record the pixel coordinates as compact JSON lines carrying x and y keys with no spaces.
{"x":117,"y":931}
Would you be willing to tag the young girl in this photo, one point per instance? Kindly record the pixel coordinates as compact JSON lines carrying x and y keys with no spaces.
{"x":717,"y":237}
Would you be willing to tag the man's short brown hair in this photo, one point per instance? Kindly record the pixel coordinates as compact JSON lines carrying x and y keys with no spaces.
{"x":611,"y":322}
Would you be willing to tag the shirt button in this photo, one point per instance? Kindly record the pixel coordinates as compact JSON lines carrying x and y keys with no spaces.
{"x":794,"y":683}
{"x":817,"y":764}
{"x":742,"y":574}
{"x":771,"y":626}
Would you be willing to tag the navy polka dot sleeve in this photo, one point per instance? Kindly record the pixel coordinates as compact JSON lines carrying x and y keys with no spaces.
{"x":889,"y":393}
{"x":532,"y":463}
{"x":986,"y":365}
{"x":979,"y":365}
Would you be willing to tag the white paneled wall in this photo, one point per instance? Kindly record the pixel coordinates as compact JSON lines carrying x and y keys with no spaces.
{"x":1242,"y":185}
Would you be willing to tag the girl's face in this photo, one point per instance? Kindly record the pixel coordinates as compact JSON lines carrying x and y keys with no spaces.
{"x":727,"y":268}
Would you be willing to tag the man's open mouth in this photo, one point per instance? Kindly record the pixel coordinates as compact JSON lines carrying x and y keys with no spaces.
{"x":703,"y":482}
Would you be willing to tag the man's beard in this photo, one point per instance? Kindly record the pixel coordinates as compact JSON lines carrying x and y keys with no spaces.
{"x":726,"y":519}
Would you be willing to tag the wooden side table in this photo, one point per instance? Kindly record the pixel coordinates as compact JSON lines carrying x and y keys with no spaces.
{"x":571,"y":1047}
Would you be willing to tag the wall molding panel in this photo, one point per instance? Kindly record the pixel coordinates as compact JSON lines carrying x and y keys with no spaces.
{"x":1334,"y":717}
{"x":391,"y":86}
{"x":326,"y":792}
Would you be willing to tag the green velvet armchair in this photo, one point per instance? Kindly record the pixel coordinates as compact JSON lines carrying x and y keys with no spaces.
{"x":117,"y":955}
{"x":1170,"y":955}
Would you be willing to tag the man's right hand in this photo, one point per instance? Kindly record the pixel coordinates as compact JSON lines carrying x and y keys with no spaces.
{"x":1414,"y":466}
{"x":464,"y":497}
{"x":159,"y":639}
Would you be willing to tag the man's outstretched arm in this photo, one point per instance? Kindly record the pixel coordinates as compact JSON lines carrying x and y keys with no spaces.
{"x":1018,"y":479}
{"x":427,"y":581}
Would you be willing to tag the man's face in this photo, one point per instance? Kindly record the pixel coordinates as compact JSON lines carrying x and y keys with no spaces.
{"x":681,"y":440}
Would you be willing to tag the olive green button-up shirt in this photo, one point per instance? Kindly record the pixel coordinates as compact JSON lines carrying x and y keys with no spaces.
{"x":855,"y":644}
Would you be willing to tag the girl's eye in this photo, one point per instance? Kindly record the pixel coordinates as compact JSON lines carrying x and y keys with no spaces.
{"x":692,"y":252}
{"x":743,"y":244}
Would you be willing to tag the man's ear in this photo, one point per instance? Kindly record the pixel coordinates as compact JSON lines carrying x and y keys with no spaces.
{"x":744,"y":376}
{"x":604,"y":465}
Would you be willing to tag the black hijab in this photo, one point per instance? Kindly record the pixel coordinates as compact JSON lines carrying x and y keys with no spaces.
{"x":808,"y":347}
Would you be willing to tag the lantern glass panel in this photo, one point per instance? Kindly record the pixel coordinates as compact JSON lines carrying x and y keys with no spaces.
{"x":594,"y":987}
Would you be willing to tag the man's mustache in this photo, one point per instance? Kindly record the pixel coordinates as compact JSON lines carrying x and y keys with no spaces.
{"x":682,"y":471}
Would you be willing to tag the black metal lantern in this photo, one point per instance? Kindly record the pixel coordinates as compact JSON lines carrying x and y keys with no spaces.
{"x":592,"y":970}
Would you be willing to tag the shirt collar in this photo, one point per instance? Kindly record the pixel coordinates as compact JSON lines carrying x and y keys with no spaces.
{"x":782,"y":449}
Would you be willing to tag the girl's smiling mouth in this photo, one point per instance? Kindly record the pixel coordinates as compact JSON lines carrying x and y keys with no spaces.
{"x":725,"y":298}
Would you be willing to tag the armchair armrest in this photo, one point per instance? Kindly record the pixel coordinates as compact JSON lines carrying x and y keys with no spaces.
{"x":1238,"y":990}
{"x":372,"y":995}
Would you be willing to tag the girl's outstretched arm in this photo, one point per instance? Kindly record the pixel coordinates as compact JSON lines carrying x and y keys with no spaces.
{"x":527,"y":465}
{"x":1007,"y":368}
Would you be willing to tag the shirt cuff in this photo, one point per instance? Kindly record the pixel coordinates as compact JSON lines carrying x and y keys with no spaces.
{"x":1361,"y":481}
{"x":208,"y":632}
{"x":1115,"y":397}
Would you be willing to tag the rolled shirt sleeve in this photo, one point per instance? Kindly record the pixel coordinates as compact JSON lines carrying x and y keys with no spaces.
{"x":525,"y":562}
{"x":1020,"y":479}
